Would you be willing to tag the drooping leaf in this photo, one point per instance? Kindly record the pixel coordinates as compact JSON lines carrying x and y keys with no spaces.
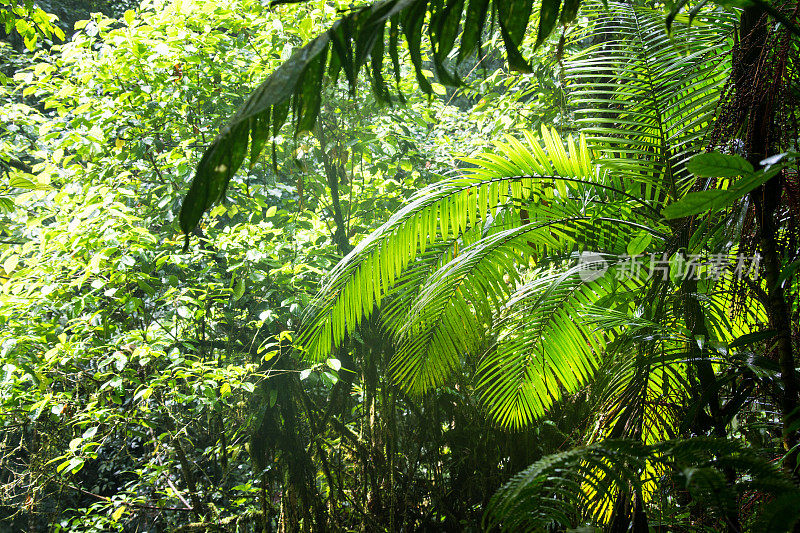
{"x":548,"y":16}
{"x":225,"y":155}
{"x":513,"y":16}
{"x":426,"y":284}
{"x":412,"y":22}
{"x":444,"y":26}
{"x":569,"y":11}
{"x":473,"y":28}
{"x":376,"y":64}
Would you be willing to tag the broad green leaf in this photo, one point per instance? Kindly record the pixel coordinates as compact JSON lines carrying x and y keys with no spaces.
{"x":695,"y":203}
{"x":146,"y":287}
{"x":238,"y":290}
{"x":698,"y":202}
{"x":273,"y":397}
{"x":747,"y":184}
{"x":677,"y":268}
{"x":71,"y":466}
{"x":21,"y":182}
{"x":118,"y":512}
{"x":717,"y":165}
{"x":751,"y":338}
{"x":10,"y":264}
{"x":548,"y":16}
{"x":639,"y":243}
{"x":787,"y":271}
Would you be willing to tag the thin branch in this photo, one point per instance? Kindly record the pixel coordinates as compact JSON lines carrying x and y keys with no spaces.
{"x":125,"y":502}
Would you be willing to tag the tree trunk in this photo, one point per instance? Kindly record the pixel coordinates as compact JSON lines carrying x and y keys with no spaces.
{"x":749,"y":80}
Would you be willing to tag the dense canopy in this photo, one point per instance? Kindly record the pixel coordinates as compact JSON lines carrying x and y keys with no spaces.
{"x":407,"y":265}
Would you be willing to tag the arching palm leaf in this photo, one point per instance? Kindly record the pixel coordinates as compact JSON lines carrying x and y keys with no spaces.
{"x":552,"y":491}
{"x":645,"y":98}
{"x":542,"y":348}
{"x":453,"y":261}
{"x":442,"y":213}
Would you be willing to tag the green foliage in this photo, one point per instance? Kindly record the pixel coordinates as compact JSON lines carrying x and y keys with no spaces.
{"x":469,"y":294}
{"x":357,"y":38}
{"x":716,"y":165}
{"x":463,"y":279}
{"x":120,"y":355}
{"x":28,"y":21}
{"x":361,"y":37}
{"x":552,"y":492}
{"x":465,"y":243}
{"x":413,"y":297}
{"x":648,"y":130}
{"x":148,"y":386}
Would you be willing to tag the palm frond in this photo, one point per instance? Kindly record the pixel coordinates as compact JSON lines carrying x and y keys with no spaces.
{"x":644,"y":98}
{"x":542,"y":348}
{"x":447,"y":317}
{"x":559,"y":489}
{"x":550,"y":493}
{"x":442,"y":213}
{"x":359,"y":41}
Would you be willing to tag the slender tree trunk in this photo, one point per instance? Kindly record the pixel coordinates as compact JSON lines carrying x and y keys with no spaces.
{"x":188,"y":477}
{"x":332,"y":178}
{"x":749,"y":77}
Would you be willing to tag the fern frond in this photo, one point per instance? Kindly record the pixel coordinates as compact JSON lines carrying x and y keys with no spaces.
{"x":645,"y":98}
{"x":543,"y":349}
{"x":559,"y":489}
{"x":443,"y":212}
